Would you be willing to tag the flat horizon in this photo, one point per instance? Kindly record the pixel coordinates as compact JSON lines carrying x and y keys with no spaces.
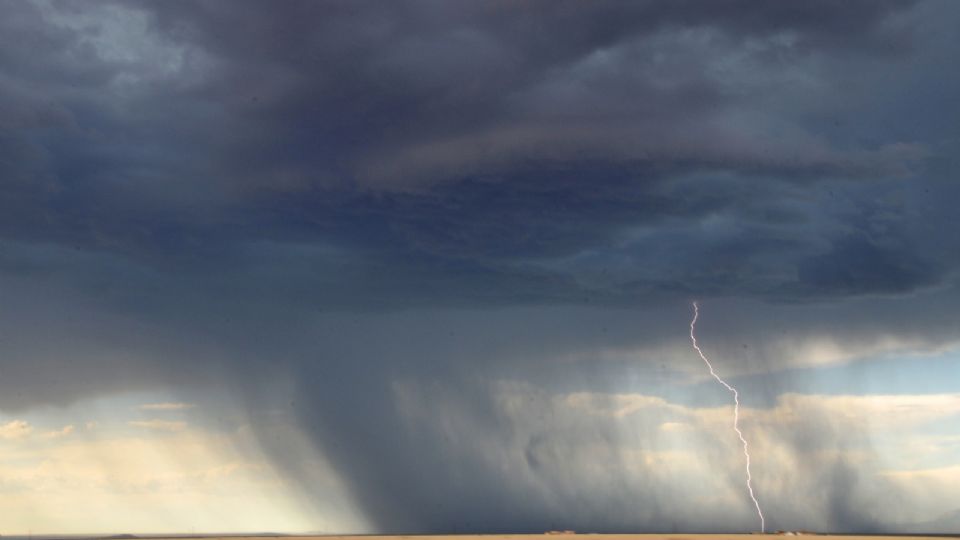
{"x":510,"y":536}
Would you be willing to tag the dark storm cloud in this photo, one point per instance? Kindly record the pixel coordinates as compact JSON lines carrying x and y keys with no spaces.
{"x":444,"y":140}
{"x":353,"y":195}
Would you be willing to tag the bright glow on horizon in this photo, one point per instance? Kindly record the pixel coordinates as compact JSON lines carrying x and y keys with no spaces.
{"x":114,"y":466}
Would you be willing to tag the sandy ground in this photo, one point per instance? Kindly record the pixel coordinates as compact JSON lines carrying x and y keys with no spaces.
{"x":756,"y":536}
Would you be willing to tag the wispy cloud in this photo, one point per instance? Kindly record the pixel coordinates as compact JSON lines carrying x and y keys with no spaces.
{"x":166,"y":406}
{"x":15,"y":429}
{"x":59,"y":433}
{"x":159,"y":425}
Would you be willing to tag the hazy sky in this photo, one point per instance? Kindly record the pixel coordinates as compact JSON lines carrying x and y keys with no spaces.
{"x":428,"y":266}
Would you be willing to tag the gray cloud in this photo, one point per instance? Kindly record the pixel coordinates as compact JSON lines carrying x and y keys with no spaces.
{"x":354,"y":195}
{"x":194,"y":138}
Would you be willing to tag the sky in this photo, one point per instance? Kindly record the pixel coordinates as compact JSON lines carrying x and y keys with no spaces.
{"x":424,"y":267}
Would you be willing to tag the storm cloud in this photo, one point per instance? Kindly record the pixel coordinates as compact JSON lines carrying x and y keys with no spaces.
{"x":412,"y":215}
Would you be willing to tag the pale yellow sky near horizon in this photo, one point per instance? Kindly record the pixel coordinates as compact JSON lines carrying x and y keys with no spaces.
{"x":157,"y":466}
{"x":151,"y":468}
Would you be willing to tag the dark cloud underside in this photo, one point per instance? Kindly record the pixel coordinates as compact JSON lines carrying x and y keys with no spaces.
{"x":358,"y":195}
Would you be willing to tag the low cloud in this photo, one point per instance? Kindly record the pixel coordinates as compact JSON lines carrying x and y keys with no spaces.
{"x":159,"y":425}
{"x":167,"y":406}
{"x":819,"y":462}
{"x":65,"y":431}
{"x":64,"y":483}
{"x":15,"y":429}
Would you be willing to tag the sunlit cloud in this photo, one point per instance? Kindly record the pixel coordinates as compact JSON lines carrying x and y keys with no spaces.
{"x":59,"y":433}
{"x":15,"y":429}
{"x":105,"y":477}
{"x":166,"y":406}
{"x":159,"y":425}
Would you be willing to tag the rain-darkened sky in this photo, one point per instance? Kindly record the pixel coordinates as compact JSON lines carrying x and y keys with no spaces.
{"x":428,"y":266}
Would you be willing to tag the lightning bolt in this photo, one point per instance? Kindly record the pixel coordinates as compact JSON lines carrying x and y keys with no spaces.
{"x":736,"y":411}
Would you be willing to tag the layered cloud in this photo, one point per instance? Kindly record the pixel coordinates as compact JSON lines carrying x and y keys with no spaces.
{"x":449,"y":144}
{"x":336,"y":209}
